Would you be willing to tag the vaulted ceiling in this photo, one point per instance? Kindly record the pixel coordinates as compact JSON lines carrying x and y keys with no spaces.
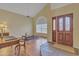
{"x":28,"y":9}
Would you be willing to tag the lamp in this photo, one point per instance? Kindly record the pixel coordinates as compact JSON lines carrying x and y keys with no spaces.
{"x":2,"y":28}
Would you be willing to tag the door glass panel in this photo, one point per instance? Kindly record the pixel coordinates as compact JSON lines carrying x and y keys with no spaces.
{"x":67,"y":23}
{"x":54,"y":28}
{"x":61,"y":24}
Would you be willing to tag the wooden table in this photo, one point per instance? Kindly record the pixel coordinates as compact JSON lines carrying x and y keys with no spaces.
{"x":4,"y":43}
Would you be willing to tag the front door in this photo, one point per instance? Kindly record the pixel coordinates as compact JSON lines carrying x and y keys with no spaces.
{"x":60,"y":30}
{"x":65,"y":29}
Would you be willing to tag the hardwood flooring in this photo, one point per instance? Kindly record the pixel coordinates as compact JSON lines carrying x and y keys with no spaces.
{"x":33,"y":48}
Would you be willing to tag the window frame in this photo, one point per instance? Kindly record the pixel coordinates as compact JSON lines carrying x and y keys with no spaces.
{"x":42,"y":28}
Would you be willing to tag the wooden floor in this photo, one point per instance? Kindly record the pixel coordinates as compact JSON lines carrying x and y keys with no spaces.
{"x":33,"y":49}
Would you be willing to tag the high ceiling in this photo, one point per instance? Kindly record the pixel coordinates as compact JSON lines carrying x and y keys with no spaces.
{"x":27,"y":9}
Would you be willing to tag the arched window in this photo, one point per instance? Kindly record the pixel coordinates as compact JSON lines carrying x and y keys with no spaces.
{"x":41,"y":25}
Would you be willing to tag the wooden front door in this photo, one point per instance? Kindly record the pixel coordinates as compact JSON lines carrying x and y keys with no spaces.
{"x":65,"y":29}
{"x":60,"y":29}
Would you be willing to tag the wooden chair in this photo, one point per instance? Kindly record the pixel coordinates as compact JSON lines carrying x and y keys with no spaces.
{"x":21,"y":43}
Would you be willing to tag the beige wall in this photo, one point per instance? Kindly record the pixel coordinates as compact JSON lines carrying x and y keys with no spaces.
{"x":73,"y":8}
{"x":46,"y":12}
{"x":18,"y":25}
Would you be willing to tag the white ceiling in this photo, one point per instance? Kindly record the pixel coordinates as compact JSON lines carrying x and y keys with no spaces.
{"x":28,"y":9}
